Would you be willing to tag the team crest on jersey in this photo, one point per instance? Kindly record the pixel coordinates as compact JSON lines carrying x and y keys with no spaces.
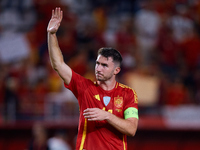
{"x":118,"y":101}
{"x":106,"y":100}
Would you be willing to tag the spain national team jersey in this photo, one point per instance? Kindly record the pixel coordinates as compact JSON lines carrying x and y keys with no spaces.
{"x":99,"y":135}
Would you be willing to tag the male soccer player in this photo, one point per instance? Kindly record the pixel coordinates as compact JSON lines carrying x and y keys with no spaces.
{"x":108,"y":109}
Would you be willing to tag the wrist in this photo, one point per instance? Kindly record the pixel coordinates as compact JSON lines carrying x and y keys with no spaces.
{"x":108,"y":115}
{"x":51,"y":33}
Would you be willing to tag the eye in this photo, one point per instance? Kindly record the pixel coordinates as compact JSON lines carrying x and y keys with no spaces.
{"x":104,"y":65}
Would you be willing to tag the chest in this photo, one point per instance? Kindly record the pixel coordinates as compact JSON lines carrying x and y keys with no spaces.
{"x":112,"y":102}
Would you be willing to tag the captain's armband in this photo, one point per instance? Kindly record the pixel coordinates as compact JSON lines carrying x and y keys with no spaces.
{"x":131,"y":112}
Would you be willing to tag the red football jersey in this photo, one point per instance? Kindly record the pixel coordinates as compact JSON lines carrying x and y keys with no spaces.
{"x":100,"y":135}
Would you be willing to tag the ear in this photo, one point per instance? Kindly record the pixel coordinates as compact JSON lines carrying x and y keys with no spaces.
{"x":117,"y":70}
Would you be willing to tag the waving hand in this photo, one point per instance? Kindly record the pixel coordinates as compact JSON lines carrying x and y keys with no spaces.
{"x":55,"y":21}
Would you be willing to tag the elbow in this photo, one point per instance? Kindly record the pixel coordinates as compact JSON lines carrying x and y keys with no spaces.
{"x":56,"y":68}
{"x":56,"y":65}
{"x":132,"y":133}
{"x":132,"y":126}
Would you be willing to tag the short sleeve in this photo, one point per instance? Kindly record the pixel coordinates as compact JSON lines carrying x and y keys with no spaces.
{"x":131,"y":104}
{"x":77,"y":84}
{"x":131,"y":99}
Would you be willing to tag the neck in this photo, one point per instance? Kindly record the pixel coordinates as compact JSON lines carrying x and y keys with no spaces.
{"x":107,"y":85}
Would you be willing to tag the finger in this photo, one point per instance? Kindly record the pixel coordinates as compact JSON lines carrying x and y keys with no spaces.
{"x":90,"y":109}
{"x":52,"y":12}
{"x":56,"y":12}
{"x":59,"y":12}
{"x":88,"y":114}
{"x":87,"y":110}
{"x":91,"y":117}
{"x":61,"y":15}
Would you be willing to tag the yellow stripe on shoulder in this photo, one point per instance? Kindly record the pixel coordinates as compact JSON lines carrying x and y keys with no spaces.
{"x":135,"y":94}
{"x":124,"y":86}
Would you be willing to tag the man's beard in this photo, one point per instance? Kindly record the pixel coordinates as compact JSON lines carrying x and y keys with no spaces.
{"x":103,"y":78}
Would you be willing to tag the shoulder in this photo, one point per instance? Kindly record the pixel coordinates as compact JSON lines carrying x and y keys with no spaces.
{"x":128,"y":91}
{"x":79,"y":78}
{"x":125,"y":88}
{"x":130,"y":95}
{"x":79,"y":81}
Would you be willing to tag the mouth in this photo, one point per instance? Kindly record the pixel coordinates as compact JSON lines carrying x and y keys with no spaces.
{"x":98,"y":74}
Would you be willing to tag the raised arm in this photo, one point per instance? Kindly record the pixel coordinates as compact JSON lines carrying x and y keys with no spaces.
{"x":55,"y":54}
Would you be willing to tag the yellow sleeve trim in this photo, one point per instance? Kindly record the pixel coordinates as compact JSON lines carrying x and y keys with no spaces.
{"x":131,"y":112}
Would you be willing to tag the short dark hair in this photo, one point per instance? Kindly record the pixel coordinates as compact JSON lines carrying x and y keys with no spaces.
{"x":111,"y":52}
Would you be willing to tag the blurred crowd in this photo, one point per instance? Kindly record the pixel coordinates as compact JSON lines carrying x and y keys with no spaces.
{"x":156,"y":38}
{"x":41,"y":140}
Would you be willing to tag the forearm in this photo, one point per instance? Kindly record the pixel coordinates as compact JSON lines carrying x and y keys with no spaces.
{"x":125,"y":126}
{"x":55,"y":53}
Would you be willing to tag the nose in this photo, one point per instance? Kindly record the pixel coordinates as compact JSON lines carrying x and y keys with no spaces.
{"x":98,"y":67}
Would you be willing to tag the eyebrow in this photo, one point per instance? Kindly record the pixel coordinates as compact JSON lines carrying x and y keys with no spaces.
{"x":103,"y":64}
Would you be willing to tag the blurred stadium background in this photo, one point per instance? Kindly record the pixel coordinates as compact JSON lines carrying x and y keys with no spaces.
{"x":160,"y":44}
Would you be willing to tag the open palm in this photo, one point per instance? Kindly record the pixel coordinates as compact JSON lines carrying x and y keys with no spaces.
{"x":54,"y":23}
